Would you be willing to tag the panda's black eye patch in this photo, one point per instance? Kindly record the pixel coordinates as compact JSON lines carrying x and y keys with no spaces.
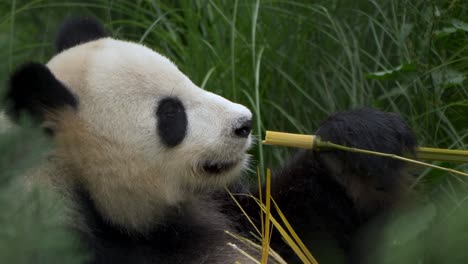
{"x":172,"y":121}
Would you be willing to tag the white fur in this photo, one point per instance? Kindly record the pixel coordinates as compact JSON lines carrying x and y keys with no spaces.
{"x":111,"y":143}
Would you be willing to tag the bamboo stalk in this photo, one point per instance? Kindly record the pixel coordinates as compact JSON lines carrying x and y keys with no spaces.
{"x":266,"y":235}
{"x":313,"y":142}
{"x":437,"y":154}
{"x":289,"y":140}
{"x":307,"y":142}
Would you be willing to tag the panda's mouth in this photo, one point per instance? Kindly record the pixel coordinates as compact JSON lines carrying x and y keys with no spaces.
{"x":213,"y":167}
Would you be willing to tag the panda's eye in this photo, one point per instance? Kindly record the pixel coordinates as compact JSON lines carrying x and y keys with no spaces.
{"x":171,"y":121}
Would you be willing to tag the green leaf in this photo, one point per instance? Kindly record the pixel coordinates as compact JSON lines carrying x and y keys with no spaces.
{"x":446,"y":78}
{"x":444,"y":32}
{"x":403,"y":237}
{"x":460,"y":25}
{"x":21,"y":147}
{"x":457,"y":25}
{"x":408,"y":227}
{"x":392,"y":74}
{"x":406,"y":30}
{"x":437,"y":11}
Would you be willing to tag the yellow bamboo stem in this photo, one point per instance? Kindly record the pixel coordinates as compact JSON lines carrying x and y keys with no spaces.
{"x":289,"y":140}
{"x":266,"y":234}
{"x":307,"y":142}
{"x":313,"y":142}
{"x":437,"y":154}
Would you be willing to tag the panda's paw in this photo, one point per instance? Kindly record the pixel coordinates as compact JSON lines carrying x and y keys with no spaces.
{"x":369,"y":129}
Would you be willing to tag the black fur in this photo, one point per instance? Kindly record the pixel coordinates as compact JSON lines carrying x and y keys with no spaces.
{"x":35,"y":90}
{"x":185,"y":236}
{"x":374,"y":130}
{"x":244,"y":128}
{"x":318,"y":204}
{"x":317,"y":207}
{"x":172,"y":121}
{"x":75,"y":31}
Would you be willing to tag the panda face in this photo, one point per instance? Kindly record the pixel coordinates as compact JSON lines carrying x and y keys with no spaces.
{"x":130,"y":128}
{"x":139,"y":105}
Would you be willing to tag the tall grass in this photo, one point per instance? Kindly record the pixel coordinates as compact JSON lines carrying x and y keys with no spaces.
{"x":290,"y":61}
{"x":315,"y":58}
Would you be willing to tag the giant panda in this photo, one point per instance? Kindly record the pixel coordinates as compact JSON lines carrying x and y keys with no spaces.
{"x":143,"y":156}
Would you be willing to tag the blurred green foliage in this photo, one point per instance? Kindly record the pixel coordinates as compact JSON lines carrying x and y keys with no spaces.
{"x":32,"y":228}
{"x":292,"y":62}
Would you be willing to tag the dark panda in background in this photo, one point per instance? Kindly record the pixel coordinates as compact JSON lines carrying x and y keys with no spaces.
{"x":143,"y":154}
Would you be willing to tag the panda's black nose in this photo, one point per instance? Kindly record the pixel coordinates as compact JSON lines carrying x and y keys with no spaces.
{"x":243,"y":128}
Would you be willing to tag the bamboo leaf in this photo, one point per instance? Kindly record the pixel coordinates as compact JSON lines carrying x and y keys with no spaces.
{"x":392,"y":74}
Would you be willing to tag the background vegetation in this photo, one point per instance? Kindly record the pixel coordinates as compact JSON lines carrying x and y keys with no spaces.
{"x":293,"y":62}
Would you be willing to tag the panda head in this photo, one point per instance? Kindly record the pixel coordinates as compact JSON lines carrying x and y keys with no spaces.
{"x":127,"y":122}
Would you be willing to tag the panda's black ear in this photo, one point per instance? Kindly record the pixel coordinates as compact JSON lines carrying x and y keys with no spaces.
{"x":75,"y":31}
{"x":34,"y":89}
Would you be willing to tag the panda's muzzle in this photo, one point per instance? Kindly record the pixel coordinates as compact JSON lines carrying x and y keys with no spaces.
{"x":211,"y":167}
